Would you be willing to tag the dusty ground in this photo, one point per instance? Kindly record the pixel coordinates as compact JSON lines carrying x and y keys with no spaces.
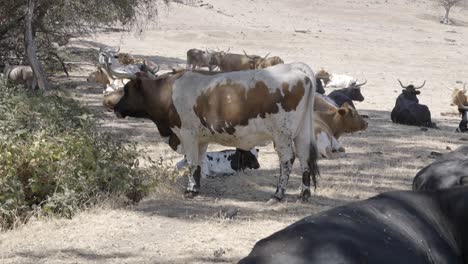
{"x":374,"y":39}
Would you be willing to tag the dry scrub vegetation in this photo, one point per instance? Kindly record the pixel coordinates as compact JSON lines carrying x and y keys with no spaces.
{"x":377,"y":40}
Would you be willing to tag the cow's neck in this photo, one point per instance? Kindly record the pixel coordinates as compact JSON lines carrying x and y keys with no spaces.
{"x":332,"y":119}
{"x":161,"y":109}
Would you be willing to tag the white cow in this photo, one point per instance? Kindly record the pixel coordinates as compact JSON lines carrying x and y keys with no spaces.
{"x":333,"y":80}
{"x":240,"y":109}
{"x":20,"y":74}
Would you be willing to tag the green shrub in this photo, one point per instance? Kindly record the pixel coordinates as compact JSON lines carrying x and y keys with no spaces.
{"x":54,"y":160}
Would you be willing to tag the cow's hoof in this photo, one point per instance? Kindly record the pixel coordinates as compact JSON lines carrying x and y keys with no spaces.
{"x":190,"y":194}
{"x":273,"y":200}
{"x":305,"y":195}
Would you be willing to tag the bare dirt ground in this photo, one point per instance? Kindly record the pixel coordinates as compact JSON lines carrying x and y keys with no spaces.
{"x":373,"y":39}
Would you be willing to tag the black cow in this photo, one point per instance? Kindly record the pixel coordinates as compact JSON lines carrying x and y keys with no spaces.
{"x":408,"y":111}
{"x":447,"y":171}
{"x":395,"y":227}
{"x":348,"y":94}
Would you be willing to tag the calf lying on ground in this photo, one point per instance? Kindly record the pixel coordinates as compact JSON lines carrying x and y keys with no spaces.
{"x":348,"y":94}
{"x":447,"y":171}
{"x":395,"y":227}
{"x":226,"y":162}
{"x":408,"y":110}
{"x":330,"y":125}
{"x":20,"y":74}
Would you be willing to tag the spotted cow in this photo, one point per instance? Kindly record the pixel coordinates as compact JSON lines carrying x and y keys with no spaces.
{"x":240,"y":109}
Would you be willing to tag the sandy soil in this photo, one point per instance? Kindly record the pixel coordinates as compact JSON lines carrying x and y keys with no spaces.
{"x":373,"y":39}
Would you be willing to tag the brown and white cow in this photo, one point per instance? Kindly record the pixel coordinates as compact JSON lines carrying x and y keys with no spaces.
{"x":240,"y":109}
{"x":460,"y":99}
{"x":330,"y":125}
{"x":229,"y":62}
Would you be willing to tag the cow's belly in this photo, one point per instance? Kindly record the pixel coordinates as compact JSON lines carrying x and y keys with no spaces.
{"x":238,"y":140}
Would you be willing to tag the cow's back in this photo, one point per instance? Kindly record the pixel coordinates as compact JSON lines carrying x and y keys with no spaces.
{"x":399,"y":227}
{"x":248,"y":102}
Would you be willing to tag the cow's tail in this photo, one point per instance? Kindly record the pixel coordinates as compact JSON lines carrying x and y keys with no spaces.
{"x":307,"y":131}
{"x":313,"y":152}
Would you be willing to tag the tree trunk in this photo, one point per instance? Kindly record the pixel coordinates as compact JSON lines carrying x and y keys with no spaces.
{"x":30,"y":47}
{"x":445,"y":19}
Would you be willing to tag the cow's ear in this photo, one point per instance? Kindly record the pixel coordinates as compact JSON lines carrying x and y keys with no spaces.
{"x":258,"y":150}
{"x":342,"y":111}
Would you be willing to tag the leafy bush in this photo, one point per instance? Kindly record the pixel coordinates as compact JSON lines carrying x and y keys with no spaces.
{"x":53,"y":160}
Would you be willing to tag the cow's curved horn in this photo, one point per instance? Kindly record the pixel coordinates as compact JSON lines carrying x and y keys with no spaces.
{"x":264,"y":58}
{"x":361,"y":84}
{"x":421,"y":85}
{"x":228,"y":49}
{"x":154,"y":69}
{"x":450,"y":89}
{"x":121,"y":75}
{"x":402,"y":86}
{"x":464,"y":87}
{"x":247,"y":55}
{"x":118,"y":49}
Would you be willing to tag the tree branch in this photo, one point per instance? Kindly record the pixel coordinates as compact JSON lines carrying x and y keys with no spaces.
{"x":30,"y":47}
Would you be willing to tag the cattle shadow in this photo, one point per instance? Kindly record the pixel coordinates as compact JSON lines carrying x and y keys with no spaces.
{"x":75,"y":253}
{"x":92,"y":47}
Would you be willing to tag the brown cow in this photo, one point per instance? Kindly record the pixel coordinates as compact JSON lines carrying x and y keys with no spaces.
{"x":272,"y":61}
{"x":229,"y":62}
{"x":100,"y":76}
{"x":127,"y":59}
{"x":460,"y":99}
{"x":330,"y":125}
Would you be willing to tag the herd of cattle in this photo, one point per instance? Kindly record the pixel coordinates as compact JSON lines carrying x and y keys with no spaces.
{"x":253,"y":100}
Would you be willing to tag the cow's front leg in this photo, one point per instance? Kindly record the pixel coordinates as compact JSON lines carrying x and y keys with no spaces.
{"x":284,"y":148}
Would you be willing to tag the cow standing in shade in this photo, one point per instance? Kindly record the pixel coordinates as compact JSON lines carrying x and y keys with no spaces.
{"x":229,"y":62}
{"x":408,"y":110}
{"x":199,"y":58}
{"x":395,"y":227}
{"x":240,"y":109}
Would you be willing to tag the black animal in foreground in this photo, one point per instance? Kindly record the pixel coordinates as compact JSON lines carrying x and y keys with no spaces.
{"x":394,"y":227}
{"x":408,"y":110}
{"x":447,"y":171}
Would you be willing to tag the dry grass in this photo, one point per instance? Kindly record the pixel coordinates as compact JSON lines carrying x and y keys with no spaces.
{"x":377,"y":40}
